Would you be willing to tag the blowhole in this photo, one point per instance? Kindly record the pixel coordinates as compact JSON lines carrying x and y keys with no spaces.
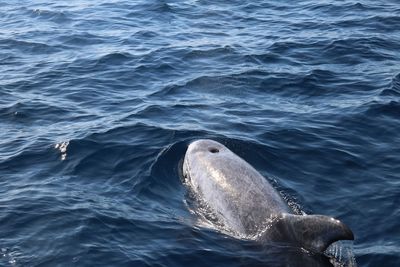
{"x":213,"y":150}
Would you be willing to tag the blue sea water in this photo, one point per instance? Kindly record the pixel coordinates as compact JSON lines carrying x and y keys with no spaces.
{"x":99,"y":100}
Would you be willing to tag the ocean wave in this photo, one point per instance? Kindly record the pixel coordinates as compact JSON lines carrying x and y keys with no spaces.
{"x":29,"y":46}
{"x":394,"y":89}
{"x":381,"y":23}
{"x":56,"y":16}
{"x":32,"y":111}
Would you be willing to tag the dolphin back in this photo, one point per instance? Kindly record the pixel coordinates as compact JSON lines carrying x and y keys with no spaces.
{"x":236,"y":192}
{"x":312,"y":232}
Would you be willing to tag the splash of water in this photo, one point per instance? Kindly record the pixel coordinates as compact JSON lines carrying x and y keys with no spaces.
{"x":341,"y":254}
{"x":62,"y":147}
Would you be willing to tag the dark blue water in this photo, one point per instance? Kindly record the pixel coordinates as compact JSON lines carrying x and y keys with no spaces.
{"x":99,"y":99}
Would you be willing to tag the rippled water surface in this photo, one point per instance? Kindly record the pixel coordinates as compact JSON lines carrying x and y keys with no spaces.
{"x":99,"y":100}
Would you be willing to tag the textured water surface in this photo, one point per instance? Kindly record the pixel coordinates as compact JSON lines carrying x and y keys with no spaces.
{"x":99,"y":99}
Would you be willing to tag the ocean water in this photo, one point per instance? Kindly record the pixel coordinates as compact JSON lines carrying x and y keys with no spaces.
{"x":99,"y":100}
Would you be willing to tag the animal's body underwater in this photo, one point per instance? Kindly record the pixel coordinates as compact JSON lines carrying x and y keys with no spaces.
{"x":246,"y":203}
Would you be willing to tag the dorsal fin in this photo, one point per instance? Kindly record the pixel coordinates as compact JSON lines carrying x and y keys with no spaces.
{"x":312,"y":232}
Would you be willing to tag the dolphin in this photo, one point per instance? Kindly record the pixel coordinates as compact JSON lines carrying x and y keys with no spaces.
{"x":244,"y":201}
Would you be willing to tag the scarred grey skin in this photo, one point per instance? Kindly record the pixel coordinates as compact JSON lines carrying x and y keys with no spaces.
{"x":246,"y":203}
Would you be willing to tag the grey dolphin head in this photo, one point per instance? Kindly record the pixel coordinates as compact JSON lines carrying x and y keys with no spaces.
{"x":247,"y":204}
